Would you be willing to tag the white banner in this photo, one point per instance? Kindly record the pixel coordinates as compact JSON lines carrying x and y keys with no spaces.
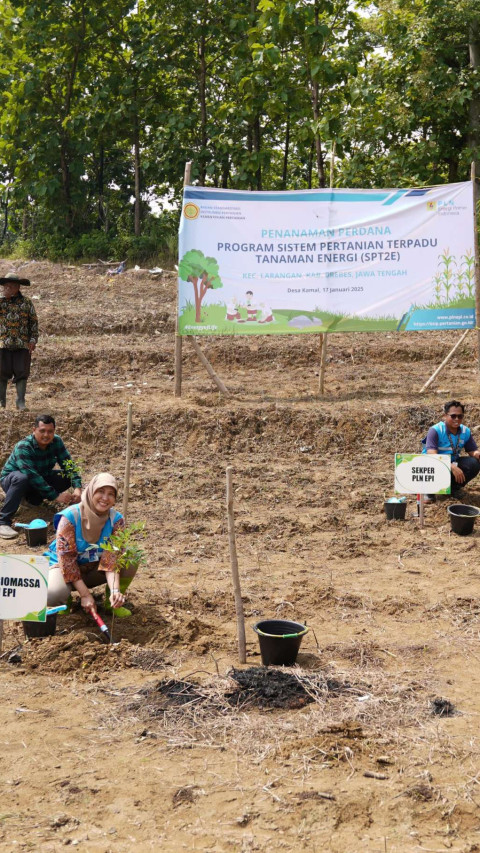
{"x":326,"y":260}
{"x":23,"y":587}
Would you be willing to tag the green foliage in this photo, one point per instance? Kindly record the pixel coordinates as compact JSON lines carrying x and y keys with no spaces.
{"x":73,"y":468}
{"x":101,"y":104}
{"x":124,"y":544}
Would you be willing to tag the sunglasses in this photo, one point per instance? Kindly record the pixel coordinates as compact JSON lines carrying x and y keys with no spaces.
{"x":455,"y":417}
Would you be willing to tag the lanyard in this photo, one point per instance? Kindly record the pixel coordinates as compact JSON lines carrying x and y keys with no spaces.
{"x":454,"y":445}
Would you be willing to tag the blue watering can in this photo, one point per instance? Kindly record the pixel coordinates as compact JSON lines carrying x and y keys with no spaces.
{"x":37,"y":522}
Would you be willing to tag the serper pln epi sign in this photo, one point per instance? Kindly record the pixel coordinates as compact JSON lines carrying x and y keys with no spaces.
{"x":422,"y":474}
{"x":23,"y":587}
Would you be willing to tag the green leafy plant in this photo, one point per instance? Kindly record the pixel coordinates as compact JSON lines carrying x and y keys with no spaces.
{"x":124,"y":544}
{"x":73,"y":468}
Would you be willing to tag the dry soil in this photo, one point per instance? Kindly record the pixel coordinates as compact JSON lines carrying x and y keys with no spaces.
{"x":137,"y":746}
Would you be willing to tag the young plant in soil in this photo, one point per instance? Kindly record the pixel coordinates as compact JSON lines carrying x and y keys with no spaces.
{"x":124,"y":544}
{"x":73,"y":468}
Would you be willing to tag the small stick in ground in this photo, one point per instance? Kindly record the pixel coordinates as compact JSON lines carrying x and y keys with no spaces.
{"x":242,"y":650}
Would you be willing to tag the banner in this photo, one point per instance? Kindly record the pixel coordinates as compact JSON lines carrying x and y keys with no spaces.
{"x":326,"y":260}
{"x":23,"y":587}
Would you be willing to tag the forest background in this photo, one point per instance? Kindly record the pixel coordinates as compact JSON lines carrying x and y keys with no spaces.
{"x":102,"y":103}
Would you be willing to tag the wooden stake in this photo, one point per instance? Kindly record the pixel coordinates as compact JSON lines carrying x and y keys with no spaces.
{"x":1,"y":635}
{"x":126,"y":484}
{"x":208,"y":367}
{"x":178,"y":362}
{"x":473,"y":176}
{"x":422,"y":511}
{"x":242,"y":650}
{"x":444,"y":362}
{"x":178,"y":338}
{"x":323,"y":361}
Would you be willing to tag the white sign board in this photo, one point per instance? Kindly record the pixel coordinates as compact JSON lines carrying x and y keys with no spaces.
{"x":23,"y":587}
{"x":422,"y":474}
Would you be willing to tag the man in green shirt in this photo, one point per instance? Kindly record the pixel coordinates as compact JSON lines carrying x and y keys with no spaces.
{"x":29,"y":473}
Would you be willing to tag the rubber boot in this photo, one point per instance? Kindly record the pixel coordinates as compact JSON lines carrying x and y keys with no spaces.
{"x":121,"y":612}
{"x":3,"y":392}
{"x":21,"y":388}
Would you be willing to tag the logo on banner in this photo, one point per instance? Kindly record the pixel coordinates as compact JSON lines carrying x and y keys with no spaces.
{"x":191,"y":211}
{"x":431,"y":205}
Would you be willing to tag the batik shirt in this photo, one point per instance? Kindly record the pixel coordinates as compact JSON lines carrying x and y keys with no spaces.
{"x":18,"y":322}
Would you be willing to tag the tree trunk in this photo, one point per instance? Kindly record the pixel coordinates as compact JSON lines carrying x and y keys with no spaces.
{"x":285,"y":155}
{"x":257,"y":145}
{"x":5,"y":220}
{"x":474,"y":49}
{"x":202,"y":87}
{"x":136,"y":156}
{"x":66,"y":189}
{"x":225,"y":173}
{"x":100,"y":188}
{"x":310,"y":166}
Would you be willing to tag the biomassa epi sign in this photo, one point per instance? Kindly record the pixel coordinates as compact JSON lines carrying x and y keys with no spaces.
{"x":422,"y":474}
{"x":23,"y":587}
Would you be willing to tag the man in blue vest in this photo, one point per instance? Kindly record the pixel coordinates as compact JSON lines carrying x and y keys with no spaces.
{"x":451,"y":437}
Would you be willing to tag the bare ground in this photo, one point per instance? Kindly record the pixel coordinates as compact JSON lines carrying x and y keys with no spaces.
{"x":98,"y":751}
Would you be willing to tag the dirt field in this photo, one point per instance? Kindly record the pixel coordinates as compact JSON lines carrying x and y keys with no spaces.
{"x":148,"y":744}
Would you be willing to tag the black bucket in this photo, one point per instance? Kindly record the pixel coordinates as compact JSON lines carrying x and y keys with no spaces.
{"x":395,"y":511}
{"x":40,"y":629}
{"x":279,"y":641}
{"x":36,"y":536}
{"x":462,"y":518}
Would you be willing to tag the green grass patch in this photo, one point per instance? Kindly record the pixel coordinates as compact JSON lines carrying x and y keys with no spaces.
{"x":213,"y":322}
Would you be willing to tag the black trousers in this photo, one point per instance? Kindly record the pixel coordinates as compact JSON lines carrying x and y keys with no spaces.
{"x":17,"y":486}
{"x":16,"y":363}
{"x":470,"y":467}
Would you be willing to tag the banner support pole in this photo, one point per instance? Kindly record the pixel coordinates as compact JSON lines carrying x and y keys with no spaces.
{"x":178,"y":338}
{"x":323,"y":361}
{"x":208,"y":367}
{"x":444,"y":362}
{"x":473,"y":176}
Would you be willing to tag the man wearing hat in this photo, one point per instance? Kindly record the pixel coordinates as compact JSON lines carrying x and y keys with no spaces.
{"x":18,"y":336}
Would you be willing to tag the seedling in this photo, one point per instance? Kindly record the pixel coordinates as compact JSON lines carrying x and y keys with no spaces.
{"x":123,"y":543}
{"x":129,"y":553}
{"x":73,"y":468}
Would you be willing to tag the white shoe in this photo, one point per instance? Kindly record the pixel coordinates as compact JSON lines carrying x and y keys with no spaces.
{"x":7,"y":532}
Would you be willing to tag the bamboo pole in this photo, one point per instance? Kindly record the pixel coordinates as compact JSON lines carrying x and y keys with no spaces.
{"x":323,"y":361}
{"x":242,"y":650}
{"x":473,"y":176}
{"x":208,"y":367}
{"x":128,"y":455}
{"x":178,"y":338}
{"x":421,"y":511}
{"x":444,"y":362}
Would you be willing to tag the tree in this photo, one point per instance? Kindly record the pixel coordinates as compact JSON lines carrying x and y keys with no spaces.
{"x":202,"y":272}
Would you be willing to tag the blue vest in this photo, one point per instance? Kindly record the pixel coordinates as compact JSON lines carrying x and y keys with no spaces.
{"x":87,"y":552}
{"x":444,"y":446}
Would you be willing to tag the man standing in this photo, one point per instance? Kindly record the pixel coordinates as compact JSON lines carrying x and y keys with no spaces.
{"x":28,"y":473}
{"x":18,"y":336}
{"x":451,"y":436}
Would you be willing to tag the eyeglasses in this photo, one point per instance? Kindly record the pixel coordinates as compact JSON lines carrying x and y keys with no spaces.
{"x":454,"y":417}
